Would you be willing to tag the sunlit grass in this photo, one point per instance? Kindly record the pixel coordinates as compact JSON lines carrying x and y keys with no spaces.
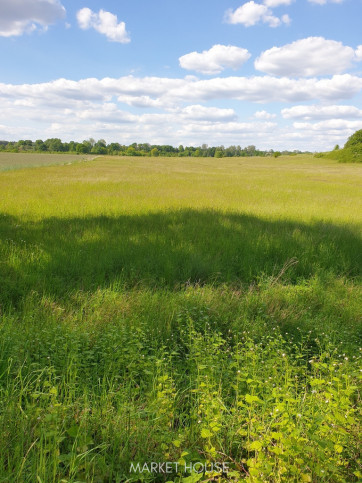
{"x":165,"y":309}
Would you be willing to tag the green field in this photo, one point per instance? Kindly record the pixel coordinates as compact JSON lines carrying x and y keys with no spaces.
{"x":181,"y":310}
{"x":10,"y":161}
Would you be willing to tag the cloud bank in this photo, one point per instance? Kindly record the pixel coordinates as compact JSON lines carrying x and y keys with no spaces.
{"x":24,"y":16}
{"x":181,"y":110}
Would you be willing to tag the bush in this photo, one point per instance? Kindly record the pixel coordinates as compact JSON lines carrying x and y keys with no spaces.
{"x":351,"y":153}
{"x":355,"y":142}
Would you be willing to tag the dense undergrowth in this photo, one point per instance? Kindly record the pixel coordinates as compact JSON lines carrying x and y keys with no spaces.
{"x":264,"y":380}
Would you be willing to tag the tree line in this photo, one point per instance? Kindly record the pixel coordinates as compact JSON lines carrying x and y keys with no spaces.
{"x":90,"y":146}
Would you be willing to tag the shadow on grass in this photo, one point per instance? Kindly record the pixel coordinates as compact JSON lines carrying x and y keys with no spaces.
{"x":59,"y":256}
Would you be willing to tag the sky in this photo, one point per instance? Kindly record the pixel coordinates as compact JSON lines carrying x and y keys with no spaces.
{"x":277,"y":74}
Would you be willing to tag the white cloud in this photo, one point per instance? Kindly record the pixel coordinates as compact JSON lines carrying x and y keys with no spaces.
{"x":203,"y":113}
{"x":24,"y":16}
{"x":231,"y":127}
{"x":286,"y":19}
{"x":252,"y":13}
{"x":322,"y":112}
{"x":306,"y":57}
{"x":105,"y":23}
{"x":181,"y":110}
{"x":174,"y":92}
{"x":277,"y":3}
{"x":264,"y":115}
{"x":215,"y":60}
{"x":269,"y":89}
{"x":140,"y":101}
{"x":329,"y":125}
{"x":323,"y":2}
{"x":359,"y":53}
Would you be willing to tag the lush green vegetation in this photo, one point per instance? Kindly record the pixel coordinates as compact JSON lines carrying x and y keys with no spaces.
{"x":191,"y":310}
{"x":351,"y":153}
{"x":91,"y":146}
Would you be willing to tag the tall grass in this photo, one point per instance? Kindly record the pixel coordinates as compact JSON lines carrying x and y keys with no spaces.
{"x":166,"y":310}
{"x":10,"y":161}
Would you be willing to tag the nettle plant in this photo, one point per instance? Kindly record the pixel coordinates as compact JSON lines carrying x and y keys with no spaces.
{"x":264,"y":407}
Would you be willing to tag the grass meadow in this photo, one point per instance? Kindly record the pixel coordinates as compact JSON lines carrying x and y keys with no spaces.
{"x":9,"y":161}
{"x":181,"y":310}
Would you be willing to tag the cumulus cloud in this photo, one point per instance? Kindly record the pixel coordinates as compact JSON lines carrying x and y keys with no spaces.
{"x":173,"y":92}
{"x":181,"y":110}
{"x":323,"y":2}
{"x":270,"y":89}
{"x":232,"y":127}
{"x":203,"y":113}
{"x":264,"y":115}
{"x":215,"y":60}
{"x":252,"y":13}
{"x":106,"y":23}
{"x":277,"y":3}
{"x":329,"y":126}
{"x":143,"y":101}
{"x":312,"y":56}
{"x":359,"y":53}
{"x":23,"y":16}
{"x":322,"y":112}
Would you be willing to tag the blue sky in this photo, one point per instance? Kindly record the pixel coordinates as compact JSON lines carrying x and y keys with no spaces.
{"x":279,"y":74}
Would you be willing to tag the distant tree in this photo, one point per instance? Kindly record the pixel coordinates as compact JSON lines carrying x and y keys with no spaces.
{"x":218,"y":154}
{"x":145,"y":147}
{"x":131,"y":151}
{"x":230,"y":151}
{"x":197,"y":153}
{"x":99,"y":147}
{"x":72,"y":146}
{"x":40,"y":145}
{"x":114,"y":148}
{"x":250,"y":150}
{"x":154,"y":152}
{"x":83,"y":148}
{"x":88,"y":145}
{"x":336,"y":147}
{"x":54,"y":144}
